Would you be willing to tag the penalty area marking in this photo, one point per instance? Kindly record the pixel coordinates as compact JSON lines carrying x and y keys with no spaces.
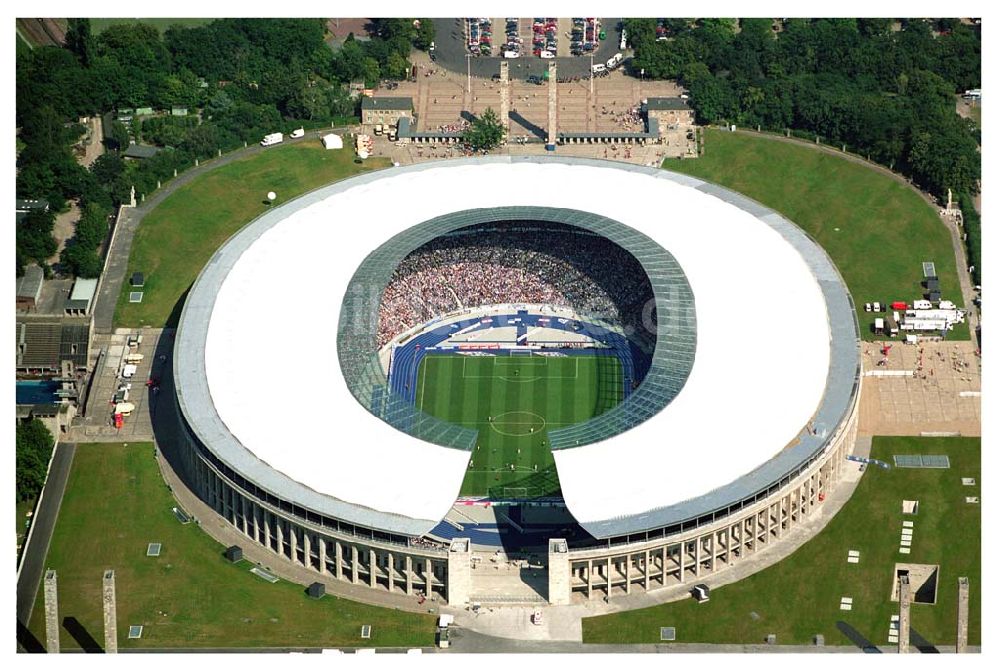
{"x":538,"y":423}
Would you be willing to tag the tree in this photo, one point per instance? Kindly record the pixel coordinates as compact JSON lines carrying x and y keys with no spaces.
{"x":34,"y":240}
{"x":424,"y":35}
{"x":32,"y":450}
{"x":485,"y":132}
{"x":79,"y":40}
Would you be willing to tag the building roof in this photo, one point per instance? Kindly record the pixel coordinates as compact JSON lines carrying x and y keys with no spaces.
{"x":388,"y":103}
{"x":30,"y":285}
{"x":666,"y":104}
{"x":140,"y":151}
{"x":677,"y":462}
{"x":43,"y":344}
{"x":31,"y":204}
{"x":83,"y":289}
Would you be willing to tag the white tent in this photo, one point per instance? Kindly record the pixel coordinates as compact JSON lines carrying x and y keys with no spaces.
{"x":333,"y":141}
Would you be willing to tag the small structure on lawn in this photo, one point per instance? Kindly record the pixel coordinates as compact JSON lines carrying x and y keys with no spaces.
{"x":137,"y":280}
{"x":316,"y":590}
{"x":332,"y":141}
{"x":234,"y":553}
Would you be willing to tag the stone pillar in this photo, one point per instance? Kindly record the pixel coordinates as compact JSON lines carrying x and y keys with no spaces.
{"x":390,"y":567}
{"x":505,"y":98}
{"x":256,"y":522}
{"x":459,"y":571}
{"x":322,"y":554}
{"x":697,"y":557}
{"x":590,"y":579}
{"x":110,"y":614}
{"x":355,"y":577}
{"x":51,"y":612}
{"x":267,"y":529}
{"x":962,"y":637}
{"x":279,"y":536}
{"x":680,"y":558}
{"x":553,"y":106}
{"x":646,"y":568}
{"x":607,"y":576}
{"x":338,"y":554}
{"x":409,"y":576}
{"x":293,"y":541}
{"x":560,"y":577}
{"x":428,"y":578}
{"x":904,"y":614}
{"x":306,"y":549}
{"x":372,"y":567}
{"x":628,"y":574}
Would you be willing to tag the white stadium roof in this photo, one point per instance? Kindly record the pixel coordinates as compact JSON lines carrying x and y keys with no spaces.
{"x":272,"y":403}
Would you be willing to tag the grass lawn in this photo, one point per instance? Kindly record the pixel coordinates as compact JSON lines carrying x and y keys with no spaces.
{"x":116,"y":503}
{"x":876,"y":230}
{"x":100,"y":25}
{"x":524,"y":396}
{"x":179,"y":236}
{"x":800,"y":596}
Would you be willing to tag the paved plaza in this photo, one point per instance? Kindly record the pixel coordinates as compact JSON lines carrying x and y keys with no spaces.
{"x":940,"y":397}
{"x":98,"y":424}
{"x":444,"y":100}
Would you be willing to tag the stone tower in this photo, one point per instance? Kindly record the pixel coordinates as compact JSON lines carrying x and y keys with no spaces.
{"x":110,"y":613}
{"x":904,"y":614}
{"x":553,"y":107}
{"x":962,"y":639}
{"x":505,"y":98}
{"x":51,"y":613}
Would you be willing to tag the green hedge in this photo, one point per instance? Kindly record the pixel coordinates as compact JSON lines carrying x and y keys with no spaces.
{"x":973,"y":239}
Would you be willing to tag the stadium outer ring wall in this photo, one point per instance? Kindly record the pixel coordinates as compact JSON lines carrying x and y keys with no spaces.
{"x":325,"y":544}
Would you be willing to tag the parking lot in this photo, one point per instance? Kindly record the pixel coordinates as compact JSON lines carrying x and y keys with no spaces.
{"x":452,"y":47}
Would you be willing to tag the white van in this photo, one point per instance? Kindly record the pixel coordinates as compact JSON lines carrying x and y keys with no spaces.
{"x":615,"y":60}
{"x":272,"y":139}
{"x":298,"y":133}
{"x":597,"y":68}
{"x":922,"y":305}
{"x":947,"y":305}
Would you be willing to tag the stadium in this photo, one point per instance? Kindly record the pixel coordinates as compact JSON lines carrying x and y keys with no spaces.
{"x":644,"y":377}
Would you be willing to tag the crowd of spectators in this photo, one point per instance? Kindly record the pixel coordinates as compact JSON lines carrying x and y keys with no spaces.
{"x":629,"y":120}
{"x":514,"y":263}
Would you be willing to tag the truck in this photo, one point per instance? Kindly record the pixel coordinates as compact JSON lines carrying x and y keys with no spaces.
{"x":597,"y":68}
{"x":295,"y":134}
{"x":272,"y":139}
{"x":615,"y":60}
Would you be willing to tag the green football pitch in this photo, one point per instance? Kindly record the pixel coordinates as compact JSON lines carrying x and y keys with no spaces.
{"x":514,"y":401}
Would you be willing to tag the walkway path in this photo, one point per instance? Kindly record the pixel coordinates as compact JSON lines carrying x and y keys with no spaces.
{"x":33,"y":562}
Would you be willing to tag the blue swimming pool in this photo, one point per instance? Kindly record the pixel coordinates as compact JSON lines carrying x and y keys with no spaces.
{"x":37,"y":392}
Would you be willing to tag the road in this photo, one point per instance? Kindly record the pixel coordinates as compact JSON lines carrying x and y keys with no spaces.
{"x":33,"y":561}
